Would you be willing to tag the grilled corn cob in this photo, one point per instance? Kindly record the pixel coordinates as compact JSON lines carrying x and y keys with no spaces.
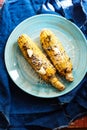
{"x":57,"y":54}
{"x":38,"y":61}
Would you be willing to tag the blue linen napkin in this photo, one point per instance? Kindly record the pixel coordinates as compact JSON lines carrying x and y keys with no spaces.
{"x":19,"y":110}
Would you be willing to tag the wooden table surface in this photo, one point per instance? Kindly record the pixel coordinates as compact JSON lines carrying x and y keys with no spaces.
{"x":79,"y":123}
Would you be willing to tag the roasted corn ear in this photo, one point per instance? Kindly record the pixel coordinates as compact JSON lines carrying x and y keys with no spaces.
{"x":57,"y":54}
{"x":39,"y":62}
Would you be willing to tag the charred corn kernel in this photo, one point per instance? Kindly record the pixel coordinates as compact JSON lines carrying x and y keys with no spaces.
{"x":57,"y":54}
{"x":39,"y":61}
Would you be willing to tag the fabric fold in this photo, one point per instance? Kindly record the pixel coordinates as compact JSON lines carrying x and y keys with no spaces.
{"x":4,"y":123}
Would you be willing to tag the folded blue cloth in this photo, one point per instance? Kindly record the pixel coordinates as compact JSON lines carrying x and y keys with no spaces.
{"x":19,"y":110}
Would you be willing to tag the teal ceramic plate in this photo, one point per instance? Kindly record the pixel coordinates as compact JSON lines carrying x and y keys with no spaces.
{"x":21,"y":72}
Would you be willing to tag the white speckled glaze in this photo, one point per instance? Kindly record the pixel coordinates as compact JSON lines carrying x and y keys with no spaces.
{"x":21,"y":72}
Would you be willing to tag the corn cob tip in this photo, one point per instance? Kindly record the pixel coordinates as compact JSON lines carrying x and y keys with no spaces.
{"x":57,"y":84}
{"x":69,"y":77}
{"x":19,"y":40}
